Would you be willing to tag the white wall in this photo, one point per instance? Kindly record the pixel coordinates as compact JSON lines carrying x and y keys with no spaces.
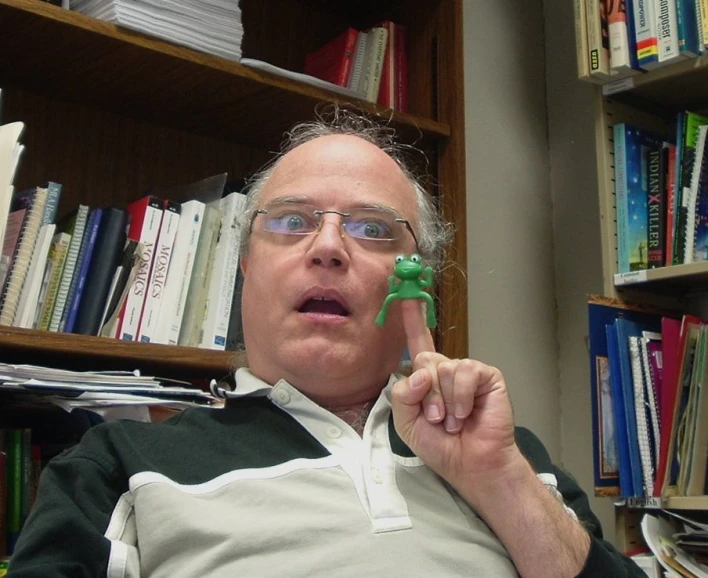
{"x":512,"y":319}
{"x":533,"y":224}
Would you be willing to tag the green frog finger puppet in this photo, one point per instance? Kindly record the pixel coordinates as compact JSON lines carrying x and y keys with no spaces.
{"x":407,"y":282}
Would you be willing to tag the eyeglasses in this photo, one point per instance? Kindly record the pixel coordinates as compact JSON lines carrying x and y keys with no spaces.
{"x":378,"y":225}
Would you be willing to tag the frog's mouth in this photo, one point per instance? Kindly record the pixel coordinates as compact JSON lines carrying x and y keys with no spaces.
{"x":324,"y":306}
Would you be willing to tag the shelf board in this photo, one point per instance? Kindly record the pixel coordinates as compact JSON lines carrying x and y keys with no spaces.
{"x":88,"y":352}
{"x":675,"y":280}
{"x":80,"y":59}
{"x":673,"y":503}
{"x":678,"y":86}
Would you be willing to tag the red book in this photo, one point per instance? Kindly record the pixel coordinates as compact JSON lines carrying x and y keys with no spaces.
{"x":333,"y":61}
{"x":673,"y":345}
{"x":401,"y":69}
{"x":670,"y":201}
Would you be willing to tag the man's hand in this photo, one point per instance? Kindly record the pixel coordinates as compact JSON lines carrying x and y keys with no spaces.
{"x":455,"y":414}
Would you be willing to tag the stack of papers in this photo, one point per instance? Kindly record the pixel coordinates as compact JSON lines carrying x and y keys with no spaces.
{"x":679,"y":544}
{"x":212,"y":26}
{"x":97,"y":390}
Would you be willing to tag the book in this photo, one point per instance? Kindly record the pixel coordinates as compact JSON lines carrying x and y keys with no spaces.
{"x":121,"y":283}
{"x":333,"y":61}
{"x":695,"y":476}
{"x":51,"y":279}
{"x":214,"y":329}
{"x":667,"y":31}
{"x":198,"y":291}
{"x":356,"y":78}
{"x":27,"y":307}
{"x":401,"y":68}
{"x":23,"y":255}
{"x":158,"y":274}
{"x":598,"y":38}
{"x":179,"y":272}
{"x":373,"y":62}
{"x":74,"y":224}
{"x":387,"y":86}
{"x":656,"y":205}
{"x":645,"y":31}
{"x":145,"y":217}
{"x":10,"y":153}
{"x":623,"y":53}
{"x":104,"y":261}
{"x":687,"y":24}
{"x":696,"y":235}
{"x":581,"y":38}
{"x":632,"y":196}
{"x":234,"y":335}
{"x":670,"y":194}
{"x":78,"y":282}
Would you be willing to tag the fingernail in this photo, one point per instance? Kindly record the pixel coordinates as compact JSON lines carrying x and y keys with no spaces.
{"x":432,"y":413}
{"x":460,"y":411}
{"x":452,"y":424}
{"x":416,"y":380}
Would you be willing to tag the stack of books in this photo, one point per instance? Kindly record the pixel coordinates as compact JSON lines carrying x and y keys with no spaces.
{"x":212,"y":26}
{"x":372,"y":63}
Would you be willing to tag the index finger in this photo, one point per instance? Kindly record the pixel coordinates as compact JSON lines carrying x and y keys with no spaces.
{"x":417,"y":333}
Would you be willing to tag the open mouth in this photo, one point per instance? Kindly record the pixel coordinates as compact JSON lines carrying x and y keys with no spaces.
{"x":324,"y":306}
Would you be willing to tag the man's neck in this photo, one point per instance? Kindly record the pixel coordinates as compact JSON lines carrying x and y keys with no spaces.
{"x":354,"y":415}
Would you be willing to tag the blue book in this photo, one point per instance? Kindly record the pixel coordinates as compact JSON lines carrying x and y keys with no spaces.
{"x":624,"y":467}
{"x":687,"y":27}
{"x":631,"y":146}
{"x":82,"y":266}
{"x":626,"y":329}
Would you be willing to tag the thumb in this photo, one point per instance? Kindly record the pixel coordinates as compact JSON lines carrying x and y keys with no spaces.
{"x":406,"y":400}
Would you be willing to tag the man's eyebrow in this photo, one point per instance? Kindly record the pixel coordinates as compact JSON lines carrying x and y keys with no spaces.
{"x":289,"y":200}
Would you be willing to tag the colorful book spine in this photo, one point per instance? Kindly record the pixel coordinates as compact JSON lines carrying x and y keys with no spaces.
{"x":333,"y":61}
{"x":667,"y":31}
{"x":655,"y":207}
{"x":686,"y":19}
{"x":646,"y":34}
{"x":618,"y":29}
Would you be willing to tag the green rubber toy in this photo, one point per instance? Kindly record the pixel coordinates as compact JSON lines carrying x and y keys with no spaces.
{"x":407,"y":282}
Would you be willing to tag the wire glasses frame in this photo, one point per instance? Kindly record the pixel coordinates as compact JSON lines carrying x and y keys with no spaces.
{"x":366,"y":223}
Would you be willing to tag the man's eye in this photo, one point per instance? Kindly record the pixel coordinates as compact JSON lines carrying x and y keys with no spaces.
{"x":290,"y":223}
{"x":370,"y":229}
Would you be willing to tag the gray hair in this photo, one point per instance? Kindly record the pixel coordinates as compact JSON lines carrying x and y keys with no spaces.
{"x":433,"y":232}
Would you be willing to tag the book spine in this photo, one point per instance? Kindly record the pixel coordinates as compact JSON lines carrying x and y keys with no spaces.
{"x":687,"y":27}
{"x":356,"y":78}
{"x":179,"y":272}
{"x":655,"y":208}
{"x":620,"y":150}
{"x":87,"y":247}
{"x":667,"y":30}
{"x":148,"y":217}
{"x":50,"y":212}
{"x":670,"y":201}
{"x":30,"y":295}
{"x":223,"y":281}
{"x":196,"y":297}
{"x":645,"y":31}
{"x":57,"y":257}
{"x":21,"y":262}
{"x":401,"y":68}
{"x":581,"y":38}
{"x":158,"y":275}
{"x":77,"y":234}
{"x":619,"y":37}
{"x":598,"y":40}
{"x":380,"y":34}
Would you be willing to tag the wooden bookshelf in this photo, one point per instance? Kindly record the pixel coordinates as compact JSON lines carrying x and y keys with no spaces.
{"x":111,"y":113}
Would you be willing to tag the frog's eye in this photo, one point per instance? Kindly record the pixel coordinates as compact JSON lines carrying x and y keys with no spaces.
{"x":400,"y":258}
{"x":415,"y":258}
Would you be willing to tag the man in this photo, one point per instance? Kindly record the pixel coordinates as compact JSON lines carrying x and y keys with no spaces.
{"x":417,"y":476}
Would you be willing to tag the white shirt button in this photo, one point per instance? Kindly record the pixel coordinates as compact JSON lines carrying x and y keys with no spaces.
{"x":282,"y":397}
{"x":376,"y":476}
{"x":334,"y":432}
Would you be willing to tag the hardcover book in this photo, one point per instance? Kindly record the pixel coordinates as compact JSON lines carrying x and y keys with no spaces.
{"x":333,"y":61}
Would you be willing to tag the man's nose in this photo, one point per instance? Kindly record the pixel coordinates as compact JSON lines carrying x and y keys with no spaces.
{"x":328,"y":248}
